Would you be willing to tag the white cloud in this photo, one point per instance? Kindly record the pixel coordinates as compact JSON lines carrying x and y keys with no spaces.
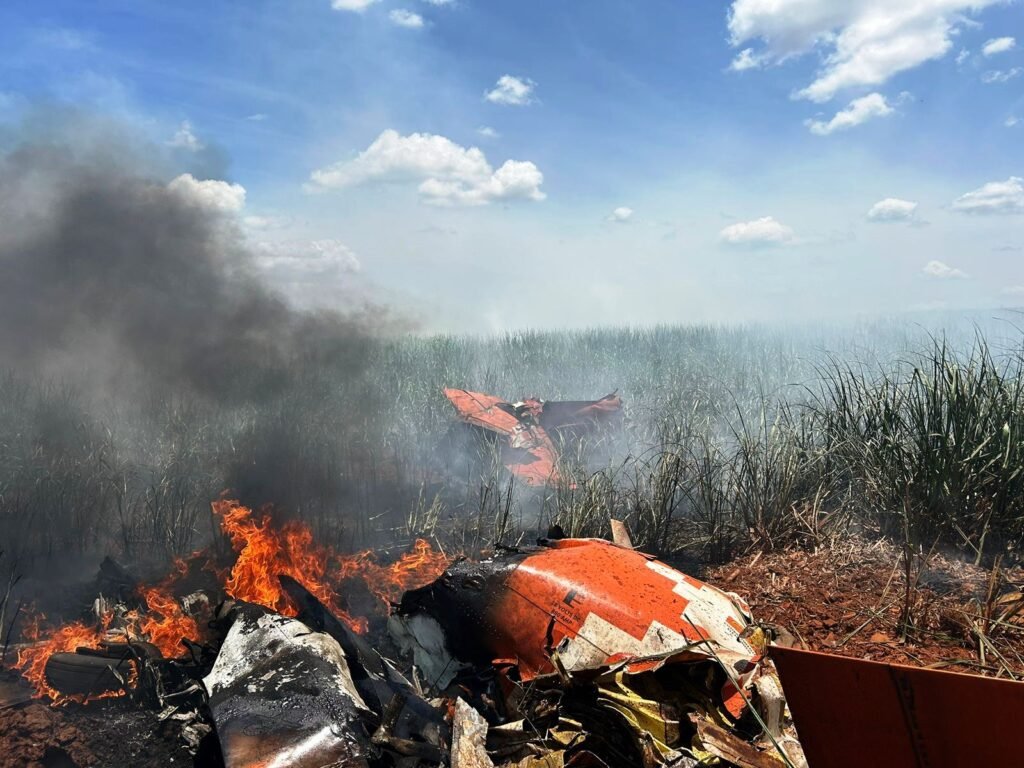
{"x":994,"y":197}
{"x":184,"y":138}
{"x":1000,"y":75}
{"x":440,"y":2}
{"x":1013,"y":290}
{"x":892,"y":209}
{"x":403,"y":18}
{"x":935,"y":268}
{"x":862,"y":42}
{"x":209,"y":193}
{"x":352,"y":5}
{"x":515,"y":91}
{"x":311,"y":273}
{"x":1011,"y":121}
{"x":744,"y":60}
{"x":306,"y":259}
{"x":998,"y":45}
{"x":258,"y":117}
{"x":487,"y":132}
{"x":763,"y":231}
{"x":856,"y":112}
{"x":621,"y":215}
{"x":962,"y":56}
{"x":449,"y":174}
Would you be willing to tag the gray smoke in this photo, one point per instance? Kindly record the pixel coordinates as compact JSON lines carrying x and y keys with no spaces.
{"x":108,"y":275}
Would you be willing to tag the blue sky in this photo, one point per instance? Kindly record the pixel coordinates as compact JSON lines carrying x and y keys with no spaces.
{"x":670,"y":161}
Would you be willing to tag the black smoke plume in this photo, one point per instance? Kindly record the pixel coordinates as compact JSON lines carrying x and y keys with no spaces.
{"x":110,"y":275}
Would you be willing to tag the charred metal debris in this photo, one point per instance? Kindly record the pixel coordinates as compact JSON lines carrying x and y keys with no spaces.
{"x":574,"y":652}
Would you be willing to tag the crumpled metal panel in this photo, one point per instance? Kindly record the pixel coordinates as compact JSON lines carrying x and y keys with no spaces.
{"x":529,"y":452}
{"x":281,"y":695}
{"x":851,"y":713}
{"x":580,"y":604}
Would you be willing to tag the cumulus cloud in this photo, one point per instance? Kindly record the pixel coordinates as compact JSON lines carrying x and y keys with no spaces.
{"x":449,"y":174}
{"x":440,"y":2}
{"x":352,"y":5}
{"x":311,"y":273}
{"x":994,"y":197}
{"x":745,"y":60}
{"x":1001,"y":75}
{"x":892,"y":209}
{"x":621,"y":215}
{"x":184,"y":138}
{"x":1011,"y":121}
{"x":511,"y":90}
{"x":763,"y":231}
{"x":963,"y":56}
{"x":487,"y":132}
{"x":936,"y":268}
{"x":209,"y":193}
{"x":257,"y":117}
{"x":861,"y":42}
{"x":402,"y":18}
{"x":998,"y":45}
{"x":856,"y":112}
{"x":306,"y":259}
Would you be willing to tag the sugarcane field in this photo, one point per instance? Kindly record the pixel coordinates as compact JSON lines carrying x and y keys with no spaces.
{"x":452,"y":384}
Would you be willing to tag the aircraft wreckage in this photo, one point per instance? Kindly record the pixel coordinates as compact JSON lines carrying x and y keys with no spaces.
{"x":532,"y":430}
{"x":569,"y":653}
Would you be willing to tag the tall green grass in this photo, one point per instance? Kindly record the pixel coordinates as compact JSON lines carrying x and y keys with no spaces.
{"x":734,"y":439}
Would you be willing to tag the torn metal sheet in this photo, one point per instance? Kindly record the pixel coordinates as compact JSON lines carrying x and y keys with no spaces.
{"x":409,"y":725}
{"x":469,"y":738}
{"x":282,"y":695}
{"x":851,"y":713}
{"x":574,"y":605}
{"x":530,"y":427}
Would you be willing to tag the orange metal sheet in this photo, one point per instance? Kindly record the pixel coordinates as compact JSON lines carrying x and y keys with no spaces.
{"x":584,"y":605}
{"x":528,"y":454}
{"x":850,"y":713}
{"x":483,"y":410}
{"x":596,"y":603}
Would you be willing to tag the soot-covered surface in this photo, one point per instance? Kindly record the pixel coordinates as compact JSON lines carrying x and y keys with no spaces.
{"x":104,"y":733}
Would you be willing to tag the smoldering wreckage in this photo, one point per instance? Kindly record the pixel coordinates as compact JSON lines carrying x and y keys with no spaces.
{"x":570,"y":652}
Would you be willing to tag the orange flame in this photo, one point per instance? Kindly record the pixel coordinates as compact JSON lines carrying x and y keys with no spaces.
{"x":262,"y":553}
{"x":265,"y":552}
{"x":31,"y":660}
{"x":165,"y":623}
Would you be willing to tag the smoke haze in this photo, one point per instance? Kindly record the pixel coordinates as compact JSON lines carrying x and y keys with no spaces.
{"x":110,"y":274}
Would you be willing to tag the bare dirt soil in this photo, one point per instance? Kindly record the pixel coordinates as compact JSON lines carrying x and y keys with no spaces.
{"x":103,"y":733}
{"x":850,"y":600}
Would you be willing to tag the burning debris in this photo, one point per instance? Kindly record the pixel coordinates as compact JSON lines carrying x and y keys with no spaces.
{"x":533,"y":429}
{"x":574,"y":652}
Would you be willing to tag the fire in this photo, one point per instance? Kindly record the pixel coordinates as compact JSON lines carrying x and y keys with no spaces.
{"x":165,"y":623}
{"x":263,"y":552}
{"x":31,"y":660}
{"x":388,"y":582}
